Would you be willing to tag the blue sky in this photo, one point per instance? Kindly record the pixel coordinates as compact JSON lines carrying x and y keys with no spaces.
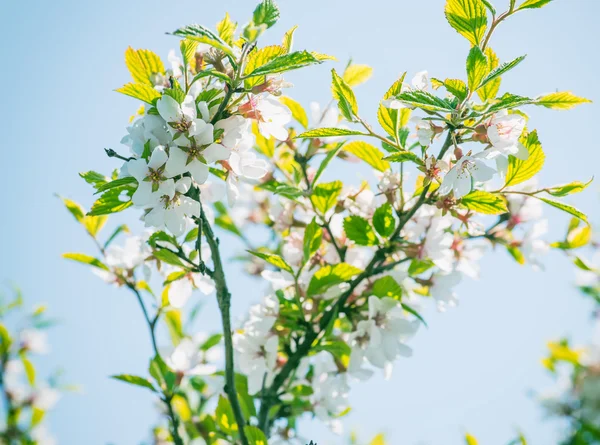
{"x":474,"y":366}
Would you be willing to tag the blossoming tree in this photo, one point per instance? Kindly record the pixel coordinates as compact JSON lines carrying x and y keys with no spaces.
{"x":26,"y":397}
{"x":351,"y":267}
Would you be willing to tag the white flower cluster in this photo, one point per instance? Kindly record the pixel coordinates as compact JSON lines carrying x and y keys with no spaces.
{"x":174,"y":146}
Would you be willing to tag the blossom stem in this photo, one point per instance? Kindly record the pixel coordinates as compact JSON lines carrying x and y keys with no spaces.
{"x":152,"y":327}
{"x":224,"y":301}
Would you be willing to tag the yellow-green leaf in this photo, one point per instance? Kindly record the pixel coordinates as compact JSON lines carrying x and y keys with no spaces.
{"x":226,"y":29}
{"x":564,"y":100}
{"x":471,"y":440}
{"x":188,"y":51}
{"x":140,"y":91}
{"x":29,"y":369}
{"x":468,"y":17}
{"x":378,"y":440}
{"x":143,"y":64}
{"x":255,"y":436}
{"x":520,"y":171}
{"x":391,"y":120}
{"x":356,"y":74}
{"x":298,"y":112}
{"x":329,"y":276}
{"x":565,"y":208}
{"x":85,"y":259}
{"x":533,"y":4}
{"x":75,"y":209}
{"x":259,"y":58}
{"x":568,"y":189}
{"x":288,"y":39}
{"x":490,"y":90}
{"x":485,"y":202}
{"x":344,"y":96}
{"x":273,"y":259}
{"x":368,"y":153}
{"x":324,"y":196}
{"x":477,"y":68}
{"x":93,"y":224}
{"x":263,"y":145}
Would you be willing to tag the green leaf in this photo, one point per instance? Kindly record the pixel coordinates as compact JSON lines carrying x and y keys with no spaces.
{"x":212,"y":341}
{"x":298,"y":112}
{"x":313,"y":236}
{"x":330,"y":155}
{"x":418,"y":266}
{"x":202,"y":34}
{"x":425,"y":101}
{"x":143,"y":64}
{"x":254,"y":435}
{"x":266,"y":13}
{"x":384,"y":221}
{"x":508,"y":101}
{"x":328,"y":132}
{"x":288,"y":39}
{"x":489,"y":6}
{"x":329,"y":276}
{"x":286,"y":62}
{"x":355,"y":74}
{"x":485,"y":202}
{"x":477,"y":68}
{"x":94,"y":178}
{"x":116,"y":232}
{"x":359,"y":230}
{"x":387,"y":287}
{"x":568,"y":189}
{"x":583,"y":264}
{"x":368,"y":153}
{"x":565,"y":208}
{"x":520,"y":171}
{"x":345,"y":96}
{"x":468,"y":17}
{"x":273,"y":259}
{"x":169,"y":257}
{"x":324,"y":196}
{"x":111,"y":202}
{"x":496,"y":73}
{"x":404,"y":156}
{"x":533,"y":4}
{"x":278,"y":188}
{"x":160,"y":372}
{"x":224,"y":77}
{"x":140,"y":91}
{"x":85,"y":259}
{"x":116,"y":183}
{"x":224,"y":416}
{"x":564,"y":100}
{"x":135,"y":380}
